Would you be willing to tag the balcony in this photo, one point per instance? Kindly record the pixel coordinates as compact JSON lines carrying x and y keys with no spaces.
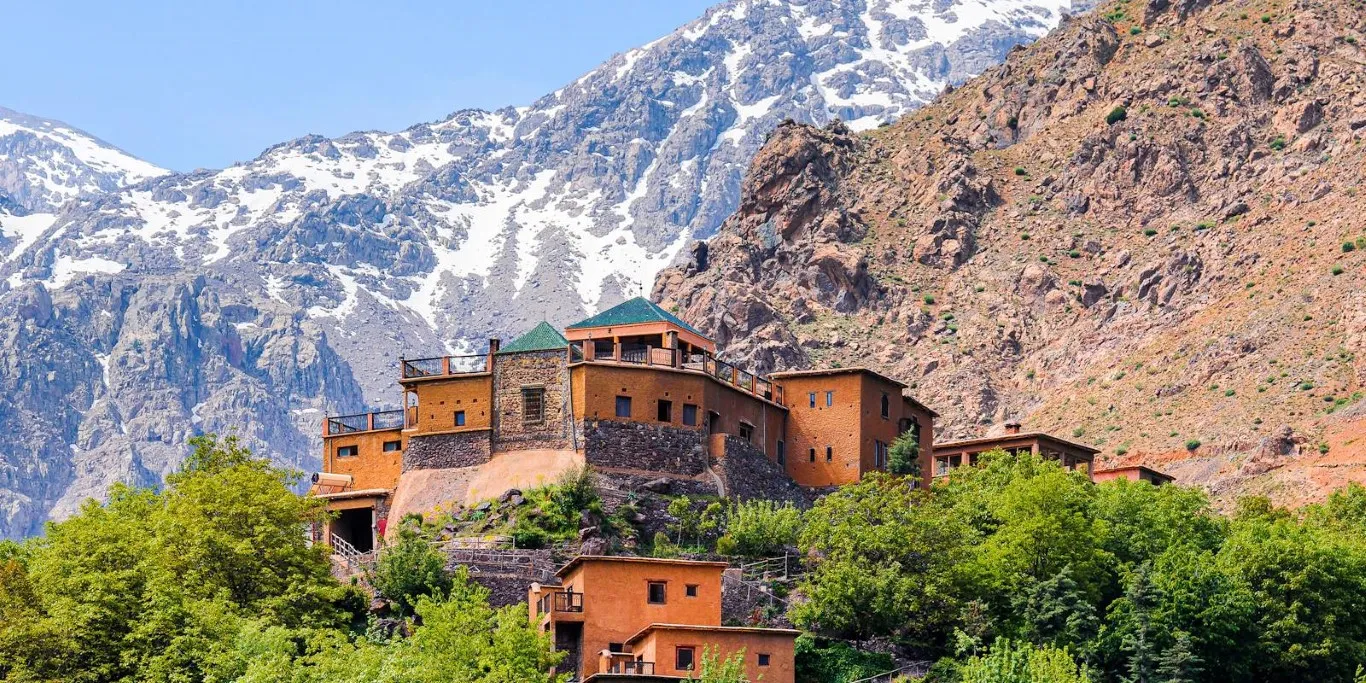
{"x":625,"y":663}
{"x":641,"y":354}
{"x":561,"y":603}
{"x":443,"y":366}
{"x":363,"y":422}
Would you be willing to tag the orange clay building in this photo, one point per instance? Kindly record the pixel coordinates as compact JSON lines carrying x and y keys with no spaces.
{"x":1134,"y":473}
{"x":633,"y":390}
{"x":645,"y":619}
{"x":953,"y":454}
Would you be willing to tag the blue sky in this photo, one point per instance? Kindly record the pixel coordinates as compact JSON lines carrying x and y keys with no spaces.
{"x":203,"y":83}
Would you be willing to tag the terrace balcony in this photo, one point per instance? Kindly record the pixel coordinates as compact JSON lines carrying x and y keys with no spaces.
{"x":602,"y":351}
{"x":363,"y":422}
{"x":443,"y":366}
{"x":624,"y":663}
{"x":561,"y":605}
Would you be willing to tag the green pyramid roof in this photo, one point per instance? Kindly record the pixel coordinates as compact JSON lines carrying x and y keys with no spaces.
{"x":542,"y":337}
{"x":632,"y":311}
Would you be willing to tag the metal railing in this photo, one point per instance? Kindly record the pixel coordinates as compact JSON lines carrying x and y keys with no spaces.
{"x":627,"y":665}
{"x":355,"y":560}
{"x":363,"y":422}
{"x":560,"y":601}
{"x":442,"y":366}
{"x":641,"y":354}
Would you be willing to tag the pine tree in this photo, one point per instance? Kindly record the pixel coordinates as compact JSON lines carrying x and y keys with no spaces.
{"x":1179,"y":663}
{"x":1143,"y":596}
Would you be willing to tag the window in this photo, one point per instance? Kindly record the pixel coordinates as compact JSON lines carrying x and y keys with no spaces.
{"x":813,"y":455}
{"x":746,"y":431}
{"x":886,"y":407}
{"x":941,"y":466}
{"x":812,"y":396}
{"x":656,"y":593}
{"x":393,"y":446}
{"x":348,"y":451}
{"x":666,"y":411}
{"x":763,"y":659}
{"x":623,"y":406}
{"x":683,"y":658}
{"x":829,"y":454}
{"x":616,"y":647}
{"x":690,"y":414}
{"x":782,"y":453}
{"x":829,"y":398}
{"x":879,"y":455}
{"x":533,"y":405}
{"x":690,"y":590}
{"x":460,"y":418}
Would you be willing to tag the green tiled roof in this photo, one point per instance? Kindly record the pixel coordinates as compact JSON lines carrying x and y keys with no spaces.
{"x":637,"y":310}
{"x":542,"y":337}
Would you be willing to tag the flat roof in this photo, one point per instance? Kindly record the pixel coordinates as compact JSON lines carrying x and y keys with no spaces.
{"x":837,"y":371}
{"x":343,"y":495}
{"x":639,"y":560}
{"x":1141,"y":468}
{"x":1041,"y":436}
{"x":714,"y":629}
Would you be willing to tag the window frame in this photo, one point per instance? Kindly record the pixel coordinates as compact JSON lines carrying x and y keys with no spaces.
{"x":664,"y":410}
{"x":764,"y":659}
{"x":690,"y":590}
{"x":812,"y":396}
{"x":886,"y":406}
{"x":536,"y":392}
{"x":354,"y":451}
{"x":690,"y":408}
{"x":397,"y":446}
{"x":460,"y":418}
{"x":623,"y":401}
{"x":746,"y":431}
{"x":829,"y":453}
{"x":830,"y":398}
{"x":812,"y":454}
{"x":692,"y":657}
{"x":663,"y":592}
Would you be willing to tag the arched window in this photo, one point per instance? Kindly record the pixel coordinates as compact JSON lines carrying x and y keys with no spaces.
{"x":886,"y":407}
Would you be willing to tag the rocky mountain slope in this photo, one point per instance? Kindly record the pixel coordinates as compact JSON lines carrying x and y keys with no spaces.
{"x":1144,"y":231}
{"x":261,"y":296}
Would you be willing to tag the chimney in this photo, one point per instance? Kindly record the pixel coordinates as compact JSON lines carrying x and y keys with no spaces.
{"x":1013,"y":427}
{"x":494,"y":344}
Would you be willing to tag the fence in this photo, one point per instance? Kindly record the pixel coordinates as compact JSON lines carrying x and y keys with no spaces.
{"x":363,"y":422}
{"x":443,"y":365}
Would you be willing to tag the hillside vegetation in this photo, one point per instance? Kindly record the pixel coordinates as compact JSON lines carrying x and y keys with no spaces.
{"x":1144,"y":232}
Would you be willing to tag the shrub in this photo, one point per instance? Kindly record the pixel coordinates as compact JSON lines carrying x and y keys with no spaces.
{"x":1149,"y":232}
{"x":1074,"y":254}
{"x":1134,"y":30}
{"x":1277,"y":143}
{"x":760,"y":528}
{"x":1337,"y":270}
{"x":836,"y":662}
{"x":929,"y":299}
{"x":1116,"y":115}
{"x":410,"y":570}
{"x":1020,"y":170}
{"x":1348,"y":247}
{"x":1192,"y":444}
{"x":1010,"y":662}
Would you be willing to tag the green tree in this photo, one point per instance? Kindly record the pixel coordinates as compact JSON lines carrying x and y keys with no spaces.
{"x":1142,"y":598}
{"x":1012,"y":662}
{"x":761,"y":528}
{"x":1056,"y":612}
{"x":903,"y":458}
{"x":409,"y":570}
{"x":1179,"y":663}
{"x":714,"y":669}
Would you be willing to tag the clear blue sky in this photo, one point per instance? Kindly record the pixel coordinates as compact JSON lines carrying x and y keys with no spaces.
{"x":203,"y":83}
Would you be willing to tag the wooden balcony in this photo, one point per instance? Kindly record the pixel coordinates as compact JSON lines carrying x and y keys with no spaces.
{"x":561,"y":605}
{"x":443,"y":366}
{"x":654,"y":356}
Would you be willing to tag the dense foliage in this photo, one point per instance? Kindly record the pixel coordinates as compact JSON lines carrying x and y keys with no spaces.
{"x":1019,"y":556}
{"x":212,"y":579}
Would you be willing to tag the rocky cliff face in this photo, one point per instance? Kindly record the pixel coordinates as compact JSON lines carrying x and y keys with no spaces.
{"x":259,"y":297}
{"x":1143,"y":231}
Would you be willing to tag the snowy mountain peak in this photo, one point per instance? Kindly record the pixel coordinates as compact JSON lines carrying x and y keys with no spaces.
{"x":44,"y":163}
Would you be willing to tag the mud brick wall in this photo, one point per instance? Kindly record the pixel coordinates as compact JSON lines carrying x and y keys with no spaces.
{"x":546,"y":370}
{"x":639,"y":446}
{"x":441,"y":451}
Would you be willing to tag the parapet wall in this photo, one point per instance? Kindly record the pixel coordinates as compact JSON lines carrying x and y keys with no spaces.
{"x":640,"y":446}
{"x":444,"y":451}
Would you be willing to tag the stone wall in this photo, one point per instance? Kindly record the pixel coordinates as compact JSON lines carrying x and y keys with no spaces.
{"x":442,"y":451}
{"x":748,"y":474}
{"x":545,"y":370}
{"x":640,"y":446}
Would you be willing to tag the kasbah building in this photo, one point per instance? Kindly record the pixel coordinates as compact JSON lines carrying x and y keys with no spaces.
{"x":633,"y":392}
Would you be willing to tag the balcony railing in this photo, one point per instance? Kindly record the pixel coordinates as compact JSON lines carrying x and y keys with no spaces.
{"x":560,"y":601}
{"x":627,"y":665}
{"x":363,"y":422}
{"x":442,"y":366}
{"x":640,"y":354}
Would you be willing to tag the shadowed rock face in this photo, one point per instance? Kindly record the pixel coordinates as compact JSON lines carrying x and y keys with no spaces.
{"x":261,"y":296}
{"x":1137,"y":232}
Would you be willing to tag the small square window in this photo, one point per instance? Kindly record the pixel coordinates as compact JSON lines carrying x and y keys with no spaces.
{"x":616,"y":647}
{"x":666,"y":411}
{"x":763,"y":659}
{"x":460,"y":418}
{"x":623,"y":406}
{"x":689,"y":414}
{"x":656,"y":594}
{"x":348,"y":451}
{"x":684,"y":658}
{"x":690,"y":590}
{"x":393,"y":446}
{"x":747,"y":431}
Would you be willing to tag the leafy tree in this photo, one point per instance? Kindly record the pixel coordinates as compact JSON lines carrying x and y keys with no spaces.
{"x":409,"y":570}
{"x":762,"y":528}
{"x":713,"y":669}
{"x":1013,"y":662}
{"x":836,"y":662}
{"x":692,"y":522}
{"x":903,"y":458}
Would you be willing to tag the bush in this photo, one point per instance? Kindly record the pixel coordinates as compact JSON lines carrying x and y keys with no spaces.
{"x":761,"y":528}
{"x":1020,"y":170}
{"x":410,"y":570}
{"x":1009,"y":662}
{"x":1192,"y":444}
{"x":1348,"y":247}
{"x":821,"y":661}
{"x":1277,"y":143}
{"x":1116,"y":115}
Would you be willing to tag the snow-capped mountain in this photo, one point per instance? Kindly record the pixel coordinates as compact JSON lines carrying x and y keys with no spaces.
{"x":263,"y":295}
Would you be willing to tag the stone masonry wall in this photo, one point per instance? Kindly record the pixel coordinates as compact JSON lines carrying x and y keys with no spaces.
{"x":635,"y":445}
{"x":748,"y":474}
{"x":441,"y":451}
{"x":546,"y":370}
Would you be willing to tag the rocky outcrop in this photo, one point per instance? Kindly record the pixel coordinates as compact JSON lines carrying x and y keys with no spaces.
{"x":1136,"y":232}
